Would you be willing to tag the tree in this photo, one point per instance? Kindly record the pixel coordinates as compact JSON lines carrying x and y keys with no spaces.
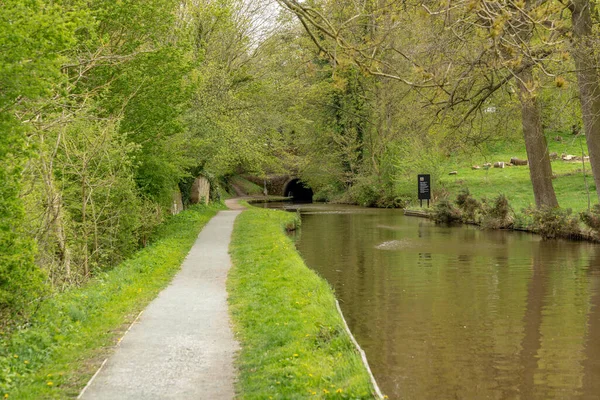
{"x":584,"y":50}
{"x":471,"y":51}
{"x":32,"y":35}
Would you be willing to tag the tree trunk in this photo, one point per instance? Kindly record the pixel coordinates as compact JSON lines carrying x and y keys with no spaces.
{"x":588,"y":81}
{"x":55,"y":208}
{"x":540,"y":169}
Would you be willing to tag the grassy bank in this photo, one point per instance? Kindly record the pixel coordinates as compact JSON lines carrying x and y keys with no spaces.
{"x":293,"y":341}
{"x":249,"y":188}
{"x":514,"y":182}
{"x":56,"y":353}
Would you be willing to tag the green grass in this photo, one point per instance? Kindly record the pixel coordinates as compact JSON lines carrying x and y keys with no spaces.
{"x":250,"y":188}
{"x":294,"y":345}
{"x":514,"y":181}
{"x":70,"y":335}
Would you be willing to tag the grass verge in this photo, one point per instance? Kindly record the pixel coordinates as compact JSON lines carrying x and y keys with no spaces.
{"x":293,"y":340}
{"x":70,"y":335}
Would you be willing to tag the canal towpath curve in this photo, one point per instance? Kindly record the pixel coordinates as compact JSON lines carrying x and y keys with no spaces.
{"x":182,"y":346}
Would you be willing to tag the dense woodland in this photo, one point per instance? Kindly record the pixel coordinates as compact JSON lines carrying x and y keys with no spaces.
{"x":107,"y":108}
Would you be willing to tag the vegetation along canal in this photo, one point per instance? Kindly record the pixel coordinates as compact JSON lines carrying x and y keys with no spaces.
{"x":459,"y":312}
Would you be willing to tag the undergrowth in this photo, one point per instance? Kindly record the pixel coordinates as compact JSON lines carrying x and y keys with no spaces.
{"x":294,"y":345}
{"x":54,"y":354}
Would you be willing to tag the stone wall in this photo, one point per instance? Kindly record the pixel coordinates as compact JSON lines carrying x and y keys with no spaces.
{"x":200,"y":191}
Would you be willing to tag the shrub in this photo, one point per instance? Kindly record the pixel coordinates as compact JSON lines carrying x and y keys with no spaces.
{"x":497,"y":215}
{"x":592,"y":218}
{"x":364,"y":192}
{"x":445,"y":213}
{"x":553,"y":223}
{"x":470,"y":207}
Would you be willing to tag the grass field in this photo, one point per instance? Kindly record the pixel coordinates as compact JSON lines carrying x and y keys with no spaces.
{"x":59,"y":349}
{"x":514,"y":181}
{"x":294,"y":345}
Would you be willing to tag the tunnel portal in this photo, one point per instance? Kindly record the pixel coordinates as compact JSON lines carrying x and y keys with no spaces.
{"x":297,"y":190}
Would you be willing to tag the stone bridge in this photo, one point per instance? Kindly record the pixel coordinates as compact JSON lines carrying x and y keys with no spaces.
{"x":284,"y":185}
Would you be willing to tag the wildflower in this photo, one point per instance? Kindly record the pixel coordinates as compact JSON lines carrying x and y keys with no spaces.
{"x":16,"y":356}
{"x":310,"y":375}
{"x":6,"y":395}
{"x":26,"y":362}
{"x":339,"y":391}
{"x":325,"y":391}
{"x":50,"y":384}
{"x":314,"y":393}
{"x":295,"y":355}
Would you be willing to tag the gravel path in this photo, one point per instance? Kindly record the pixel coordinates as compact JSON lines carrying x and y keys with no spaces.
{"x":182,"y":346}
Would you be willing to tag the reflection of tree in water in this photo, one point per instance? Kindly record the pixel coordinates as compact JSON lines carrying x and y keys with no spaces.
{"x":558,"y":353}
{"x":591,"y":364}
{"x":532,"y":325}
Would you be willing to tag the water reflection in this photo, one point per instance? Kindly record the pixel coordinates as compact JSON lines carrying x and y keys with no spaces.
{"x":447,"y":313}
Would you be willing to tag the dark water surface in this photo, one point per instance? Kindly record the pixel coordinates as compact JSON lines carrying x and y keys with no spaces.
{"x":461,"y":313}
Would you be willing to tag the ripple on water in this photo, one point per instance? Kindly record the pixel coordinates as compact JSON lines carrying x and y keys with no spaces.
{"x":394,"y":244}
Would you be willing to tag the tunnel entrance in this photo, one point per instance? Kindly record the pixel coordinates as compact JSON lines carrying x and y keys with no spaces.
{"x":297,"y":190}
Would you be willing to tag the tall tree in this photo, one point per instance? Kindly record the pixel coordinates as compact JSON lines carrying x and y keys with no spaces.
{"x":472,"y":51}
{"x":584,"y":50}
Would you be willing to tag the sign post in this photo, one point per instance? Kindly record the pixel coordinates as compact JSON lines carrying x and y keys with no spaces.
{"x":424,"y":188}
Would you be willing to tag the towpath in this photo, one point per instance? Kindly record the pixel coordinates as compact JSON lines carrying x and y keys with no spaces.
{"x":182,"y":346}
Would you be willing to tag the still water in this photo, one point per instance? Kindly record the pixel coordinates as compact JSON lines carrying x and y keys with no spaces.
{"x":458,"y":312}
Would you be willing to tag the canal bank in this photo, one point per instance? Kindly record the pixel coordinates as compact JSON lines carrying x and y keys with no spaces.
{"x":294,"y":343}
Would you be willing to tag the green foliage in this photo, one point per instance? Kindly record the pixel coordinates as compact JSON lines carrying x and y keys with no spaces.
{"x":369,"y":191}
{"x":469,"y":206}
{"x":293,"y":342}
{"x":591,"y":218}
{"x":495,"y":215}
{"x":444,"y":212}
{"x":364,"y":192}
{"x":499,"y":214}
{"x":552,"y":223}
{"x":65,"y":341}
{"x":32,"y":36}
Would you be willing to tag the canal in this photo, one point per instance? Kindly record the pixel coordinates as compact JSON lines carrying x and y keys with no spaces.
{"x":459,"y":312}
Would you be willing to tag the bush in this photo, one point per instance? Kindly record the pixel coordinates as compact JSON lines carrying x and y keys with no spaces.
{"x":364,"y":192}
{"x":470,"y":207}
{"x":592,"y":218}
{"x":553,"y":223}
{"x":445,"y":213}
{"x":498,"y":215}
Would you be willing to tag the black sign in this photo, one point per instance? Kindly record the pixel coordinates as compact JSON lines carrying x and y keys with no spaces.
{"x":424,"y":187}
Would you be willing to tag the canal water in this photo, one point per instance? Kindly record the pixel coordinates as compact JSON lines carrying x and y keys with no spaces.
{"x":459,"y":312}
